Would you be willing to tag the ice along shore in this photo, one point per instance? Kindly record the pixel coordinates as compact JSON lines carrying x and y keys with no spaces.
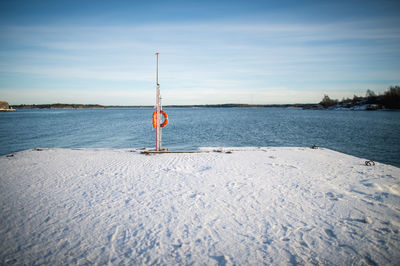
{"x":248,"y":206}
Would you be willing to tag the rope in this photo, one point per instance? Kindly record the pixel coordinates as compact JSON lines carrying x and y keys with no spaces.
{"x":369,"y":163}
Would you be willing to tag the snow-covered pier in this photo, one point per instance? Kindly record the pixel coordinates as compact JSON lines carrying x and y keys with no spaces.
{"x":233,"y":206}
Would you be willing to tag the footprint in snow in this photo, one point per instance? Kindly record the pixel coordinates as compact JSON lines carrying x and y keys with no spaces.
{"x":221,"y":260}
{"x":365,"y":220}
{"x":368,"y":184}
{"x":330,"y":233}
{"x":304,"y":244}
{"x":333,"y":196}
{"x":205,"y":168}
{"x":369,"y":261}
{"x":175,"y":249}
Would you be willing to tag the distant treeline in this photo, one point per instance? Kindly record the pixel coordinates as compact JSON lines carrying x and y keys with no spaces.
{"x":241,"y":105}
{"x":227,"y":105}
{"x":390,"y":99}
{"x":4,"y":105}
{"x":57,"y":106}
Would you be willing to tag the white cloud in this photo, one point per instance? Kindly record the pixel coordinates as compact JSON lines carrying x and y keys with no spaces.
{"x":201,"y":62}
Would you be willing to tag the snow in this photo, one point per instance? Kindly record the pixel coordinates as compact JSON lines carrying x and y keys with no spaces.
{"x":247,"y":206}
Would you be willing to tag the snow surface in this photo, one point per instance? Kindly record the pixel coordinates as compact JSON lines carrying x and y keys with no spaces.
{"x":250,"y":206}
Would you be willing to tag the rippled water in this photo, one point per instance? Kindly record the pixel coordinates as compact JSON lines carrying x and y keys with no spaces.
{"x":373,"y":135}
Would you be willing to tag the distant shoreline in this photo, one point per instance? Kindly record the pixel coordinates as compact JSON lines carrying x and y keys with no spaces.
{"x":363,"y":107}
{"x":57,"y":106}
{"x":97,"y":106}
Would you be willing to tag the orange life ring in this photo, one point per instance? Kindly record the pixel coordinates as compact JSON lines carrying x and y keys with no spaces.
{"x":163,"y":124}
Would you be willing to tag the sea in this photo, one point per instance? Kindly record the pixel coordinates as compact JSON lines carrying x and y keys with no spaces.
{"x":371,"y":135}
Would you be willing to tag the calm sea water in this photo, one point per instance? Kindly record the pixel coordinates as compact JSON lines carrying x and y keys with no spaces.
{"x":373,"y":135}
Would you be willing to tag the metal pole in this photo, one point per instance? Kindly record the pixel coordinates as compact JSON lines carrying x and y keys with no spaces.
{"x":160,"y":136}
{"x":158,"y":132}
{"x":158,"y":112}
{"x":157,"y":66}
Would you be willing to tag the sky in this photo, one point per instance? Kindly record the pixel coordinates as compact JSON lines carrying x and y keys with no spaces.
{"x":211,"y":52}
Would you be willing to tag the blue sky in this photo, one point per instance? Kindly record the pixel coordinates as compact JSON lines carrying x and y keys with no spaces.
{"x":257,"y":52}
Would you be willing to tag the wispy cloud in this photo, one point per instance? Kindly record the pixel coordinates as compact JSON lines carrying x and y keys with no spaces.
{"x":223,"y":61}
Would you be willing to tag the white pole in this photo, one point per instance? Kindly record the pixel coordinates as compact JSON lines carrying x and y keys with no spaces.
{"x":160,"y":123}
{"x":158,"y":136}
{"x":158,"y":131}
